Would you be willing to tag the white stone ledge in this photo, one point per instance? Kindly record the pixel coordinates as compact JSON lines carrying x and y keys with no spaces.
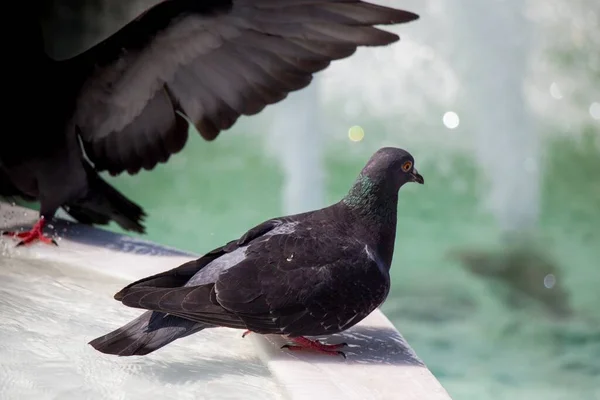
{"x":380,"y":364}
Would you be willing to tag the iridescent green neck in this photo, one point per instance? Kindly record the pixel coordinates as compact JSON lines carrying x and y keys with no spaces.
{"x":362,"y":194}
{"x":372,"y":197}
{"x":376,"y":204}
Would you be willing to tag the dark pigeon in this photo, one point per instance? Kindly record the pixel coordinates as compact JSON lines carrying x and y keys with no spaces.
{"x":310,"y":274}
{"x":124,"y":104}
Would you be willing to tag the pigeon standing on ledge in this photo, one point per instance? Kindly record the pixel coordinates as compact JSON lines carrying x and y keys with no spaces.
{"x":310,"y":274}
{"x":126,"y":101}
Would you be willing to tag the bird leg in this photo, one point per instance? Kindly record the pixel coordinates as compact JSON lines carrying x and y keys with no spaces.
{"x":35,"y":233}
{"x":302,"y":343}
{"x":246,"y":333}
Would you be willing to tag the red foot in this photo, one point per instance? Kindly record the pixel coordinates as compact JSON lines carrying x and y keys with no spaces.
{"x":32,"y":235}
{"x":304,"y":343}
{"x":246,"y":333}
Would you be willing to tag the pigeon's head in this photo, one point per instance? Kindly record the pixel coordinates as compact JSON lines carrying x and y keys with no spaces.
{"x":395,"y":166}
{"x":385,"y":173}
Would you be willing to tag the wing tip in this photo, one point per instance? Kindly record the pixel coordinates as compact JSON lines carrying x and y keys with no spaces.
{"x":407,"y":16}
{"x":397,"y":16}
{"x":388,"y":15}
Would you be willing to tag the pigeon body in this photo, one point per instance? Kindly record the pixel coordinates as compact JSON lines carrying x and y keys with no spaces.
{"x":309,"y":274}
{"x":124,"y":104}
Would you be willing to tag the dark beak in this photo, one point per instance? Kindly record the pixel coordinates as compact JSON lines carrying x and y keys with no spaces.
{"x":416,"y":177}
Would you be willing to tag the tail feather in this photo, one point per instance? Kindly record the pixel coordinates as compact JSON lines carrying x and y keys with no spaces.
{"x":103,"y":204}
{"x":145,"y":334}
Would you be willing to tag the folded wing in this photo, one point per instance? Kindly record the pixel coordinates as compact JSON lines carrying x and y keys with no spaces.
{"x":286,"y":284}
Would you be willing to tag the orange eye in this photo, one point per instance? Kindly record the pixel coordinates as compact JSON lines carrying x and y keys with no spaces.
{"x":406,"y":166}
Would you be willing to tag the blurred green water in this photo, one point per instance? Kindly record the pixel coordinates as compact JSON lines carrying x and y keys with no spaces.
{"x":479,"y":345}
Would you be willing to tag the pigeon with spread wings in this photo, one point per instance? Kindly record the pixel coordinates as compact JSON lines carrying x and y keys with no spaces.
{"x":124,"y":104}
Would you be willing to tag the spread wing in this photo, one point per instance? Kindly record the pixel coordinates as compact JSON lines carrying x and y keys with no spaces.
{"x":210,"y":62}
{"x":296,"y":284}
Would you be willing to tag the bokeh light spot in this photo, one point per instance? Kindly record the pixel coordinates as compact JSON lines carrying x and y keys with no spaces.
{"x":356,"y":133}
{"x":595,"y":110}
{"x":549,"y":281}
{"x":451,"y":120}
{"x":555,"y":91}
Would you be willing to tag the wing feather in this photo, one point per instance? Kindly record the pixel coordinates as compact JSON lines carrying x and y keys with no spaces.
{"x":212,"y":65}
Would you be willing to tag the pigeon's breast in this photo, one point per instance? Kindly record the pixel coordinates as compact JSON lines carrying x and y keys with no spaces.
{"x":378,"y":261}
